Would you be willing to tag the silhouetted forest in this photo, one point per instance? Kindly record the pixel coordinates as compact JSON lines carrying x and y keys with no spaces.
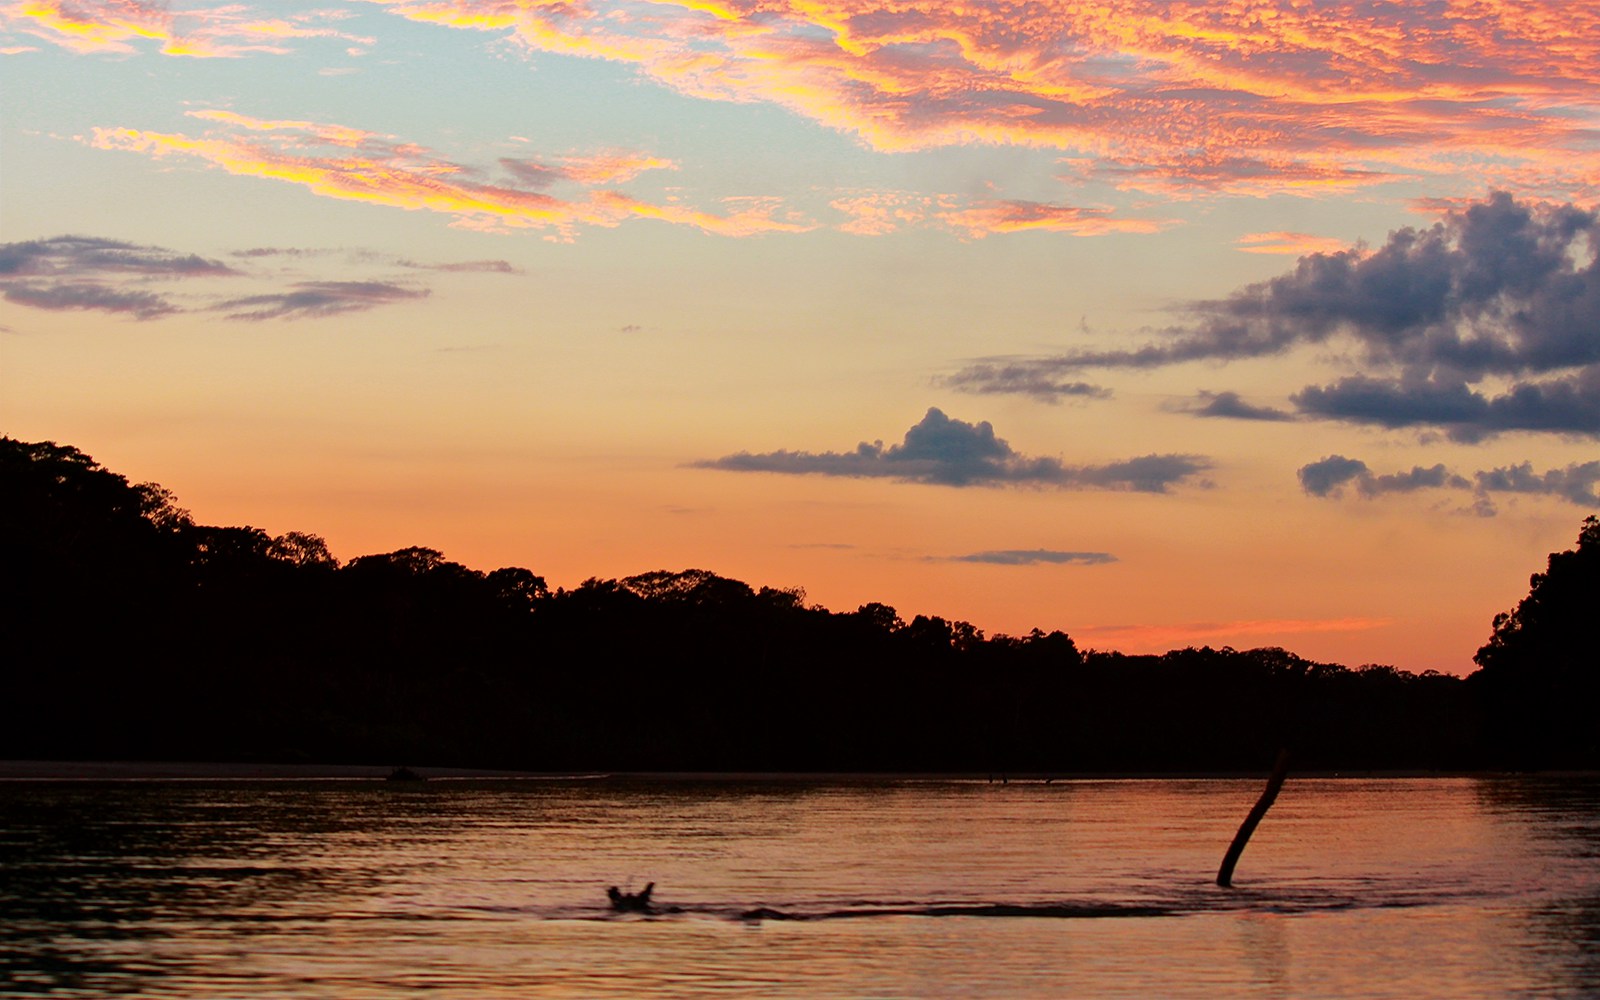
{"x":131,"y":632}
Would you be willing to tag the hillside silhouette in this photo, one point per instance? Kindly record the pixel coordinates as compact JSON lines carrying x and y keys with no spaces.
{"x":132,"y":632}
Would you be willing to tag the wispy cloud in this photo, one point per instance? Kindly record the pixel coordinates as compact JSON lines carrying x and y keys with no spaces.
{"x":136,"y":280}
{"x":62,"y":256}
{"x":98,"y":274}
{"x":947,"y":452}
{"x":1158,"y":98}
{"x":69,"y":295}
{"x":318,"y":299}
{"x":1291,"y":244}
{"x":1034,"y":557}
{"x":1021,"y":379}
{"x":1010,"y":216}
{"x":337,"y":161}
{"x":123,"y":27}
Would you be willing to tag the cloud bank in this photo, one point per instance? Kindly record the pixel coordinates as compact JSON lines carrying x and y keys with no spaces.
{"x":1482,"y":323}
{"x":947,"y":452}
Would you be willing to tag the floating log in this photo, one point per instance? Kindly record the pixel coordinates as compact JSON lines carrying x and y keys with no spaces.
{"x":1280,"y":770}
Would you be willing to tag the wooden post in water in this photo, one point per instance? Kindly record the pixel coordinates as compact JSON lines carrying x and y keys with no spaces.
{"x":1280,"y":770}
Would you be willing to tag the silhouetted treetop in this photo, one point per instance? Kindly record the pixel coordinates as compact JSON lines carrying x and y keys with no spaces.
{"x":1541,"y":666}
{"x":1557,"y":626}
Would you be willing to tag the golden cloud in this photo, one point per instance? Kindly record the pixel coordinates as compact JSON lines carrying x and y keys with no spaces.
{"x":119,"y":26}
{"x":1249,"y":96}
{"x":351,"y":164}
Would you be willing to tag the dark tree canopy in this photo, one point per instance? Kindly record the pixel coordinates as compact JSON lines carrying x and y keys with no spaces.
{"x":130,"y":631}
{"x":1541,"y":667}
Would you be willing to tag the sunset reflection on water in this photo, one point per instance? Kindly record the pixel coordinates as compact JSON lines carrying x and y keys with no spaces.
{"x":1450,"y":887}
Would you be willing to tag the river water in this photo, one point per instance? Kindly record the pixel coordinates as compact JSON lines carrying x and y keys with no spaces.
{"x":1438,"y":887}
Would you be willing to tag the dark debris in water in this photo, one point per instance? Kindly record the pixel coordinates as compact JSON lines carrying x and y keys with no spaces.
{"x":1059,"y":911}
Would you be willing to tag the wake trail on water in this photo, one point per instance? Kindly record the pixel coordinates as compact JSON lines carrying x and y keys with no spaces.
{"x":1187,"y":905}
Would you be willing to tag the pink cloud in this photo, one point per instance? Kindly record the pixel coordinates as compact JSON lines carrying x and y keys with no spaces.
{"x":1264,"y":96}
{"x":351,"y":164}
{"x":126,"y":26}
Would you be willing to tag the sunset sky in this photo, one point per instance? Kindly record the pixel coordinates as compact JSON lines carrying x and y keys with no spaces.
{"x":1250,"y":322}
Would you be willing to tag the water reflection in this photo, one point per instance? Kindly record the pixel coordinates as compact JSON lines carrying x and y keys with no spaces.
{"x":1431,"y":887}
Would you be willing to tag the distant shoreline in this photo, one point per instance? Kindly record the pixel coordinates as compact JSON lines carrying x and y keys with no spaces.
{"x":100,"y":770}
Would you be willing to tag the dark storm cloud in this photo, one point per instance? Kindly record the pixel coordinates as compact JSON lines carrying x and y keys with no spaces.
{"x":1502,"y":289}
{"x":1228,"y":405}
{"x":1032,"y":557}
{"x":315,"y":299}
{"x":67,"y":257}
{"x":943,"y":451}
{"x":89,"y":295}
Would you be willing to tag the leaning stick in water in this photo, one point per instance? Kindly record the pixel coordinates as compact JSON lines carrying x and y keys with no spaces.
{"x":1279,"y":771}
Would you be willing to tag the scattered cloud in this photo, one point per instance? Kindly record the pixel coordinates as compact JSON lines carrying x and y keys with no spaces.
{"x":1229,"y":405}
{"x":1329,"y":476}
{"x":77,"y":256}
{"x":1576,"y":483}
{"x":1292,"y":244}
{"x":318,"y":299}
{"x":1033,"y":557}
{"x":986,"y":218}
{"x":93,"y":273}
{"x":86,"y":295}
{"x":112,"y":276}
{"x":599,"y":169}
{"x":1021,"y":379}
{"x":125,"y":27}
{"x":1325,"y":95}
{"x":1481,"y":323}
{"x":944,"y":451}
{"x":372,"y":257}
{"x":466,"y":267}
{"x":351,"y":164}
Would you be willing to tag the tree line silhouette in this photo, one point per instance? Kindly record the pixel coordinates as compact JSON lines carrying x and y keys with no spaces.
{"x":132,"y":632}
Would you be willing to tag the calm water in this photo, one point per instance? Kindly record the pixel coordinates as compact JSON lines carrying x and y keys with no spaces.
{"x":1404,"y":888}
